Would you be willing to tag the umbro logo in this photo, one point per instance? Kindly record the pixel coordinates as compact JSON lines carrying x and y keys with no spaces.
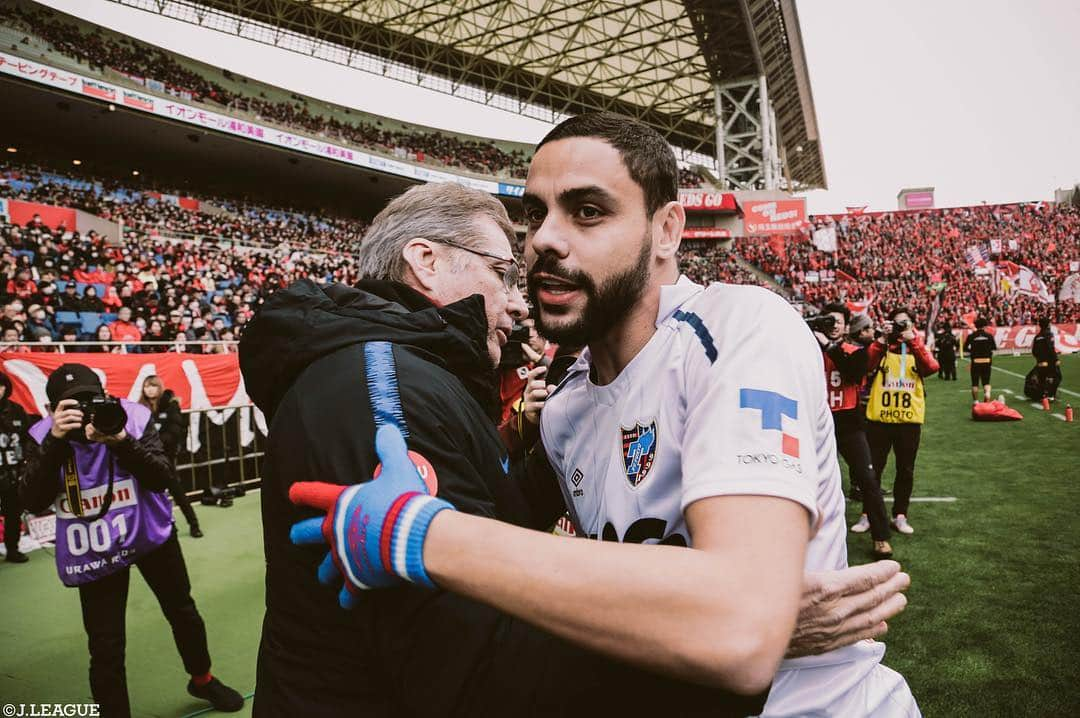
{"x":576,"y":479}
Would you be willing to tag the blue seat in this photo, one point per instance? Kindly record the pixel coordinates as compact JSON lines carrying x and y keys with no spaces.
{"x":108,"y":318}
{"x":67,"y":317}
{"x":90,"y":321}
{"x":80,"y":288}
{"x":101,"y":288}
{"x":61,"y":285}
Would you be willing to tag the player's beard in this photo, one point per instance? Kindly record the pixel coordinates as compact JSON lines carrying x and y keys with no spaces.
{"x":605,"y":306}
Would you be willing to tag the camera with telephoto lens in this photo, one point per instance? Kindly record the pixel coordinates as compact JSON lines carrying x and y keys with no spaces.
{"x":899,"y":327}
{"x":105,"y":412}
{"x":824,"y":323}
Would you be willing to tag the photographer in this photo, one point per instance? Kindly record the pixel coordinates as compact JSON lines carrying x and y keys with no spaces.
{"x":980,"y":346}
{"x":845,"y":371}
{"x":525,"y":351}
{"x":896,"y":410}
{"x":101,"y":462}
{"x":13,"y":427}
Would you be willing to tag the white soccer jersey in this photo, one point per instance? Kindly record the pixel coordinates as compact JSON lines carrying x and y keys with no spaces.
{"x":726,"y":398}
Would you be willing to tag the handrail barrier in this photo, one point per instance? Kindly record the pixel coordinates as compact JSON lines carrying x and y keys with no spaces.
{"x":223,"y":453}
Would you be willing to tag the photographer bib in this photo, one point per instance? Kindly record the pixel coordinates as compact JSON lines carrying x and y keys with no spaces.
{"x":90,"y":544}
{"x":896,"y":395}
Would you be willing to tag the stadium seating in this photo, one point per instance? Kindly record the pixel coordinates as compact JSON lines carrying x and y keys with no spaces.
{"x":890,"y":259}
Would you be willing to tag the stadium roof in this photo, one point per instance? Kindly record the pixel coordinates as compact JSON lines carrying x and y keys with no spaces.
{"x":656,"y":60}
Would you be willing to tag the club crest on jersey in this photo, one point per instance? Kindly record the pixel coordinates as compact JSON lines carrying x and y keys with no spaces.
{"x":639,"y":451}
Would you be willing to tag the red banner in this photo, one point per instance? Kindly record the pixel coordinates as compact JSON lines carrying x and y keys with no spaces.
{"x":96,"y":89}
{"x":22,"y":212}
{"x":199,"y":380}
{"x":774,"y":216}
{"x":705,"y":233}
{"x":698,"y":200}
{"x":1019,"y":338}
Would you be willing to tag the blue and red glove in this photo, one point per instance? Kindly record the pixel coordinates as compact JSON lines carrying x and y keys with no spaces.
{"x":375,"y":530}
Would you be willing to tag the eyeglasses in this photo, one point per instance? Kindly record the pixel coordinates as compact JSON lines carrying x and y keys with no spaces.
{"x":510,"y":275}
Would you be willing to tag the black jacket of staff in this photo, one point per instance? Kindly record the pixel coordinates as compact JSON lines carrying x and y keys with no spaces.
{"x":409,"y":651}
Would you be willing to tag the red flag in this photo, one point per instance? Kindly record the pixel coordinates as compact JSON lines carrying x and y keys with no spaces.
{"x":778,"y":247}
{"x":842,"y":276}
{"x":856,"y":210}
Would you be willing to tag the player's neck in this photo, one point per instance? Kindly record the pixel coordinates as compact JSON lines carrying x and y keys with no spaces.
{"x":612,"y":352}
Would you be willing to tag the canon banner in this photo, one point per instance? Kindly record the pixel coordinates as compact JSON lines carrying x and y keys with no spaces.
{"x":199,"y":381}
{"x":774,"y":216}
{"x":1019,"y":338}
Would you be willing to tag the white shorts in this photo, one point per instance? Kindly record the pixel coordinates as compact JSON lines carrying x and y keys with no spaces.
{"x":853,"y":686}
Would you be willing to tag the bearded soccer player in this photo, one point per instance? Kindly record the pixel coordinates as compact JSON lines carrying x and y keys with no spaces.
{"x":695,"y":421}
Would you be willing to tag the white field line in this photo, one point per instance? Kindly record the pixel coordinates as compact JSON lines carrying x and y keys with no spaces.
{"x":1022,"y":376}
{"x":928,"y":499}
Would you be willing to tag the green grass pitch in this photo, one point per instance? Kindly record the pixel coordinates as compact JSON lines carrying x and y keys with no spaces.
{"x":991,"y":628}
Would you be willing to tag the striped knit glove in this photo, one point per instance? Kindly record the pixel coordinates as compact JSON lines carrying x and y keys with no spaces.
{"x":376,"y":529}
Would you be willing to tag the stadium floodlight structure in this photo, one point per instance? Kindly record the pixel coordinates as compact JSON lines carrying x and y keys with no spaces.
{"x":725,"y":81}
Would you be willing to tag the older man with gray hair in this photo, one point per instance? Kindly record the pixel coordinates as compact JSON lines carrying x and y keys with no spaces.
{"x":414,"y":346}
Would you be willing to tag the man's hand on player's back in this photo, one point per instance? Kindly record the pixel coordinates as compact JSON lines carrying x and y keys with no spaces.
{"x":839,"y":608}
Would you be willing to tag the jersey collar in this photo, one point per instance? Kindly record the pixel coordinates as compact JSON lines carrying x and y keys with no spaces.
{"x":673,"y":296}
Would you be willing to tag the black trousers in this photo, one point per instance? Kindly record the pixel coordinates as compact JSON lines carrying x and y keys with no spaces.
{"x":852,"y":444}
{"x":104,"y":608}
{"x":903,"y":440}
{"x":9,"y":498}
{"x":1049,"y":379}
{"x":980,"y":374}
{"x":948,"y":367}
{"x":181,"y":499}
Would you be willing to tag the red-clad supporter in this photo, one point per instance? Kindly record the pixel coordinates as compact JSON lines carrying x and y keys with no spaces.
{"x":123,"y":329}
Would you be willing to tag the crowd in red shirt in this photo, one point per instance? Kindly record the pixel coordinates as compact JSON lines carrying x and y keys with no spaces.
{"x":900,"y":258}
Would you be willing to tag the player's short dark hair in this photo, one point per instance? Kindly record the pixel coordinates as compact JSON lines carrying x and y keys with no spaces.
{"x":647,"y":156}
{"x":1044,"y":322}
{"x":981,"y":322}
{"x":839,"y":308}
{"x":901,"y":310}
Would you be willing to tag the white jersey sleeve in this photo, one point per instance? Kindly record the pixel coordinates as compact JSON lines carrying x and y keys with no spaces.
{"x":754,"y":400}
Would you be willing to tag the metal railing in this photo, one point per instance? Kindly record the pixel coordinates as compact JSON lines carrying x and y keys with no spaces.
{"x":224,"y":450}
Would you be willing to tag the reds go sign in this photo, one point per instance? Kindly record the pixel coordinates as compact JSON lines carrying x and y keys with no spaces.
{"x":774,"y":216}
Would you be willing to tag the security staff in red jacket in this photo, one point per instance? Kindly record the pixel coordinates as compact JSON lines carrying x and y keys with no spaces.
{"x":845,"y":372}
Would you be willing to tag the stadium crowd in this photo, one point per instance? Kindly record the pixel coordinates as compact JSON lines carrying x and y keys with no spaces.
{"x":899,"y":258}
{"x":191,"y":276}
{"x":60,"y":285}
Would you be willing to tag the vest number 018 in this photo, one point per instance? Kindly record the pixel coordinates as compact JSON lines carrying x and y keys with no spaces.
{"x":82,"y":537}
{"x":899,"y":399}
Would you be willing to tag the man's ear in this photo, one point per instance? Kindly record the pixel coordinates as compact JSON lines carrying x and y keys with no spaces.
{"x":671,"y":219}
{"x":420,"y":259}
